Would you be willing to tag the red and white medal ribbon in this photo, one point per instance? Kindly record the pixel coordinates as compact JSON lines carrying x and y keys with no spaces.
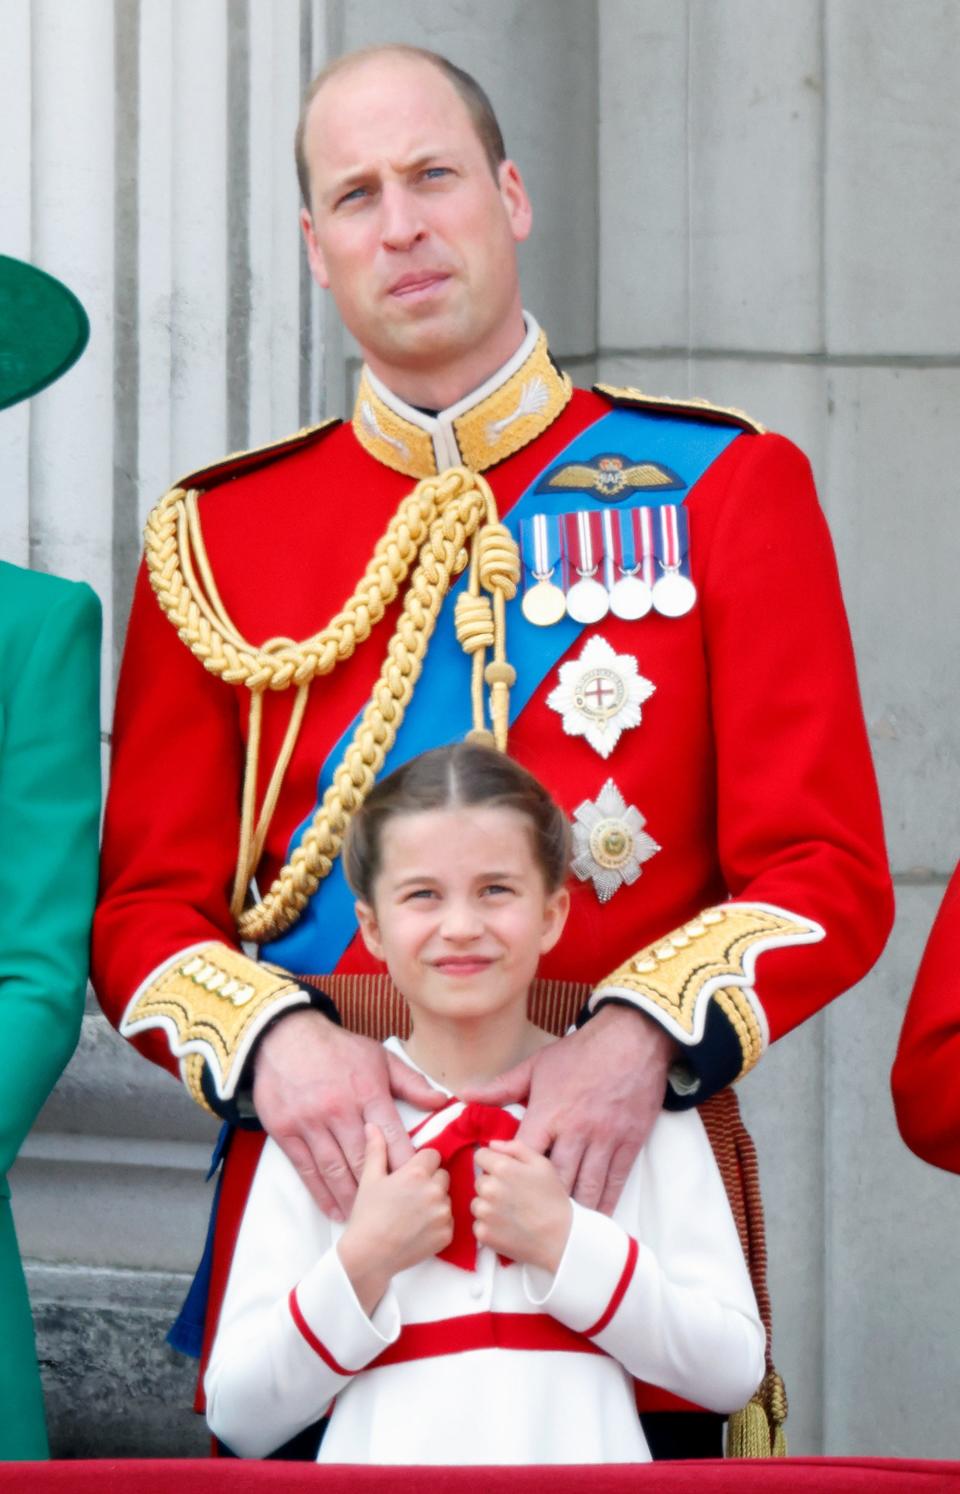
{"x":587,"y":599}
{"x":673,"y":593}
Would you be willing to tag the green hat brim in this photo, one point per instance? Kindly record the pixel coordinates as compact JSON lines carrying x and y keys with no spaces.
{"x":43,"y":330}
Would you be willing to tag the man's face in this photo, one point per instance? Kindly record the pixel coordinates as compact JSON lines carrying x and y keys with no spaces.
{"x":410,"y":229}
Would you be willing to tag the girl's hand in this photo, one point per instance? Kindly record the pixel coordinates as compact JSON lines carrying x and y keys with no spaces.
{"x":399,"y":1218}
{"x":521,"y":1208}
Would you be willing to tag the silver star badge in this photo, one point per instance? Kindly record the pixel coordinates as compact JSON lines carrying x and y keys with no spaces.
{"x":609,"y":842}
{"x":600,"y":695}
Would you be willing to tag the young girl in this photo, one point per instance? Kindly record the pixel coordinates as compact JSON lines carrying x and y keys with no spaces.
{"x":468,"y":1311}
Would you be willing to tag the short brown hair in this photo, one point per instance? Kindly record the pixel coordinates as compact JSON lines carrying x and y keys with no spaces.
{"x":478,"y":104}
{"x":447,"y":777}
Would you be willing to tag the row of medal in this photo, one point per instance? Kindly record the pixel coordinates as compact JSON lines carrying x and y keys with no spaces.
{"x":624,"y":561}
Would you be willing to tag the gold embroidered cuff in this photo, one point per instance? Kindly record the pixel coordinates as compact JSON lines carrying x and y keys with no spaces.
{"x":212,"y":1003}
{"x":713,"y":957}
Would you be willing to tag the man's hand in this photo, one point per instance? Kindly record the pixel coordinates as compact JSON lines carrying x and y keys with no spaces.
{"x":399,"y":1218}
{"x":521,"y":1208}
{"x":592,"y":1099}
{"x":314,"y":1088}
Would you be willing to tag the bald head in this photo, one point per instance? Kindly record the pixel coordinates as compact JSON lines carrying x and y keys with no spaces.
{"x":477,"y":104}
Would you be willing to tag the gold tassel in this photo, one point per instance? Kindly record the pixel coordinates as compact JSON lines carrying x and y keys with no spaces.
{"x":777,"y":1412}
{"x":748,"y":1432}
{"x":757,"y":1430}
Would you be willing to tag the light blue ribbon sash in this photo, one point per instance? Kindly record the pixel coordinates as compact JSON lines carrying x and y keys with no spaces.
{"x":439,"y":711}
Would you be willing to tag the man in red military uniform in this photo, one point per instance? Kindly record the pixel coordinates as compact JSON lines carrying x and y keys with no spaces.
{"x":667,"y":649}
{"x":926,"y":1094}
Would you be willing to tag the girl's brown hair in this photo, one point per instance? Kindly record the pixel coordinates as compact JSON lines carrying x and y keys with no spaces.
{"x":461,"y":774}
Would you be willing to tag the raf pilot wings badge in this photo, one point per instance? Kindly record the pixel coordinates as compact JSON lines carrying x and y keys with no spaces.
{"x":611,"y":477}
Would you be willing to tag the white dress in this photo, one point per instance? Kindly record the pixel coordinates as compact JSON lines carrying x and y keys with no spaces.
{"x":504,"y":1364}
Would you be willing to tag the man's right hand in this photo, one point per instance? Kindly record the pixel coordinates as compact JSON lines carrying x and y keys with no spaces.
{"x":314,"y":1088}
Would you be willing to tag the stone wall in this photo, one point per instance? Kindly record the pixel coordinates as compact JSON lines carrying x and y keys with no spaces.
{"x":753,"y":200}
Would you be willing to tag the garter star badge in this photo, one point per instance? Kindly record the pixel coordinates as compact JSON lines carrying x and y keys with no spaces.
{"x":600,"y":695}
{"x":609,"y":842}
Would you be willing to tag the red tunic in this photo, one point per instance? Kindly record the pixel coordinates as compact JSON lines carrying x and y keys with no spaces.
{"x":751,"y":762}
{"x":926,"y":1092}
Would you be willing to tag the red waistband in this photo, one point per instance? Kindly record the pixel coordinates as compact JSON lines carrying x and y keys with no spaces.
{"x":510,"y":1330}
{"x":484,"y":1330}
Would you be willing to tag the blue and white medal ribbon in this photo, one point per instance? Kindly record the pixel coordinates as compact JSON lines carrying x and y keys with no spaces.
{"x":543,"y":601}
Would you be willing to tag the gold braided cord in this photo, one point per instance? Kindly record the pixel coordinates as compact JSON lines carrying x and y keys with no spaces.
{"x":173,"y":531}
{"x":465,"y":512}
{"x":252,"y":838}
{"x":279,"y":773}
{"x":481,"y":625}
{"x":434,"y":524}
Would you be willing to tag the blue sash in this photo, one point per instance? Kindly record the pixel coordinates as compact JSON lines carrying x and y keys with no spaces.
{"x":439,"y":712}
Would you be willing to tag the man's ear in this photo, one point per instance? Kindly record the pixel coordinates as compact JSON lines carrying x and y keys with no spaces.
{"x":318,"y":268}
{"x":369,"y":929}
{"x":554,"y":918}
{"x":515,"y":200}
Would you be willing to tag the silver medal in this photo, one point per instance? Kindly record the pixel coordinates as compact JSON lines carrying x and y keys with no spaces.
{"x":673,"y":594}
{"x":544,"y":604}
{"x":587,"y":600}
{"x":630,"y":598}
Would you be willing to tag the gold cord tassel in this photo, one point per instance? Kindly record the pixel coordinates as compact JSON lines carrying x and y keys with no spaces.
{"x":757,"y":1431}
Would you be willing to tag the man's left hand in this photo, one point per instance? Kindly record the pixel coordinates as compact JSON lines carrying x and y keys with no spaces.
{"x":592,"y":1099}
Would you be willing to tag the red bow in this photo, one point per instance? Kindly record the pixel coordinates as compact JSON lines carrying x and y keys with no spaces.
{"x":476,"y":1126}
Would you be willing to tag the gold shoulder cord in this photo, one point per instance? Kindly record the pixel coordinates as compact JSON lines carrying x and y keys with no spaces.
{"x":434,"y":525}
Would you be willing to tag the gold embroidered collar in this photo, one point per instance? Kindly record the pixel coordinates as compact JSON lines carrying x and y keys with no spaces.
{"x":511,"y":409}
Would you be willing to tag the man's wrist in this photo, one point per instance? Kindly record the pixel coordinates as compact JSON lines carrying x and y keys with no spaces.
{"x":608,"y":1011}
{"x":243,"y":1111}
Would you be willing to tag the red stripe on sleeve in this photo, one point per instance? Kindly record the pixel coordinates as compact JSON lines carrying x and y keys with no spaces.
{"x":633,"y":1250}
{"x":312,"y":1339}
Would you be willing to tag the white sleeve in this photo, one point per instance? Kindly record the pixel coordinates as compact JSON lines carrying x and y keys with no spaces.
{"x":292,"y":1333}
{"x":663,"y":1287}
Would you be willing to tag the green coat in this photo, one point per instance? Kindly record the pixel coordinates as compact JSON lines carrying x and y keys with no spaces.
{"x":49,"y":813}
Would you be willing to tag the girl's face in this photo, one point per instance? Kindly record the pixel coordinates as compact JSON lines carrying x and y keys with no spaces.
{"x":461,"y":914}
